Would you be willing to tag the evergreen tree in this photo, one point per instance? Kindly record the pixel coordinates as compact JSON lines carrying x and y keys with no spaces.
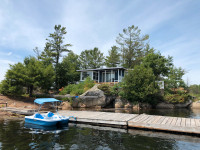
{"x":132,"y":46}
{"x":54,"y":48}
{"x":114,"y":57}
{"x":55,"y":45}
{"x":91,"y":59}
{"x":14,"y":80}
{"x":174,"y":79}
{"x":139,"y":85}
{"x":67,"y":70}
{"x":32,"y":73}
{"x":158,"y":63}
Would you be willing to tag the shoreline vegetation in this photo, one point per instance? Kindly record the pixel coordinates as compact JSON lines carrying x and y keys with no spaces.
{"x":48,"y":72}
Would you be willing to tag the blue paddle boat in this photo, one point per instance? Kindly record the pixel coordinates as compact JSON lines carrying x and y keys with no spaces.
{"x":47,"y":119}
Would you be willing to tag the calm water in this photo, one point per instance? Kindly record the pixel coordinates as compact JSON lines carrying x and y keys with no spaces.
{"x":14,"y":134}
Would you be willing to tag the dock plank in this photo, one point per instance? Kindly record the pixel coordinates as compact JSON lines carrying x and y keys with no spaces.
{"x":187,"y":123}
{"x":165,"y":120}
{"x":197,"y":122}
{"x":178,"y":122}
{"x":183,"y":122}
{"x":168,"y":122}
{"x":160,"y":120}
{"x":156,"y":119}
{"x":150,"y":118}
{"x":173,"y":121}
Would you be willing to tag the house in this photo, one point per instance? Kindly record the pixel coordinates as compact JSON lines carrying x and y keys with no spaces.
{"x":113,"y":74}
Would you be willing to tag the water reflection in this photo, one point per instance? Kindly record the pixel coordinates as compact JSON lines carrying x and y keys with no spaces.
{"x":38,"y":128}
{"x":13,"y":135}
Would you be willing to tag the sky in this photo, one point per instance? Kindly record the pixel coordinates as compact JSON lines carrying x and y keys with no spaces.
{"x":173,"y":27}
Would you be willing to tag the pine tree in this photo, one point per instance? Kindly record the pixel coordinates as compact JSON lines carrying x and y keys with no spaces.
{"x":132,"y":46}
{"x":91,"y":59}
{"x":114,"y":57}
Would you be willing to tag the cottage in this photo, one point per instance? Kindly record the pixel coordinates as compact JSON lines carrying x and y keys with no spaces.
{"x":113,"y":74}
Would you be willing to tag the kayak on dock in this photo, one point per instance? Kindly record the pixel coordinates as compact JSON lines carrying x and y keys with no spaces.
{"x":47,"y":119}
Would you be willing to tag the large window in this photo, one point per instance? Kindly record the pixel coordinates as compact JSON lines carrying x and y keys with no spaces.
{"x":85,"y":75}
{"x":95,"y":76}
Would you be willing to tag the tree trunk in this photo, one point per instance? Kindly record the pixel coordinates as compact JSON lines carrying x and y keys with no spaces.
{"x":31,"y":91}
{"x":27,"y":91}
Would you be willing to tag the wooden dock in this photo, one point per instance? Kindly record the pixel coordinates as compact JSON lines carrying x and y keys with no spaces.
{"x":143,"y":121}
{"x":123,"y":120}
{"x":19,"y":111}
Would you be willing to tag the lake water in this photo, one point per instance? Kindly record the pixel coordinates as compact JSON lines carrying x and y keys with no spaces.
{"x":14,"y":134}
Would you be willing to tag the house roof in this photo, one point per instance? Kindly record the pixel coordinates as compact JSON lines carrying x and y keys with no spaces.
{"x":98,"y":69}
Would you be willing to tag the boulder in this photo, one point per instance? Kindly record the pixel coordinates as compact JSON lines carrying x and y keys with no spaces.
{"x":184,"y":105}
{"x":136,"y":106}
{"x":66,"y":106}
{"x":163,"y":105}
{"x":97,"y":107}
{"x":128,"y":105}
{"x":145,"y":106}
{"x":119,"y":103}
{"x":195,"y":105}
{"x":93,"y":97}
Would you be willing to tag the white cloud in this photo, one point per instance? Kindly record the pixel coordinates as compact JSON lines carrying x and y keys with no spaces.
{"x":10,"y":53}
{"x":5,"y":64}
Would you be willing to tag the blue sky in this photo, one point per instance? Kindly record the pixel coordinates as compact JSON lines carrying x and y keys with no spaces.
{"x":173,"y":26}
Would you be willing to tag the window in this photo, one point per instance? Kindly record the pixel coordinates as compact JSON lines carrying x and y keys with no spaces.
{"x":95,"y":76}
{"x":85,"y":75}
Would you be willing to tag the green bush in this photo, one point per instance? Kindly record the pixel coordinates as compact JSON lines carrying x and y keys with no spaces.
{"x":139,"y":85}
{"x":116,"y":89}
{"x":7,"y":88}
{"x":105,"y":88}
{"x":177,"y":98}
{"x":78,"y":89}
{"x":68,"y":99}
{"x":68,"y":89}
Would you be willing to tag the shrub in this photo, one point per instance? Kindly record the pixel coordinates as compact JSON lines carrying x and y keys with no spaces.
{"x":177,"y":98}
{"x":116,"y":89}
{"x":7,"y":88}
{"x":78,"y":89}
{"x":68,"y":99}
{"x":105,"y":88}
{"x":88,"y":83}
{"x":68,"y":89}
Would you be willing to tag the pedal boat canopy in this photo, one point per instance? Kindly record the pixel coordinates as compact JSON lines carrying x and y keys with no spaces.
{"x":41,"y":101}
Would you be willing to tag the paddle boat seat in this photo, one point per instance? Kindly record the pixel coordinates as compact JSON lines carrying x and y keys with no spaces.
{"x":39,"y":116}
{"x":50,"y":114}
